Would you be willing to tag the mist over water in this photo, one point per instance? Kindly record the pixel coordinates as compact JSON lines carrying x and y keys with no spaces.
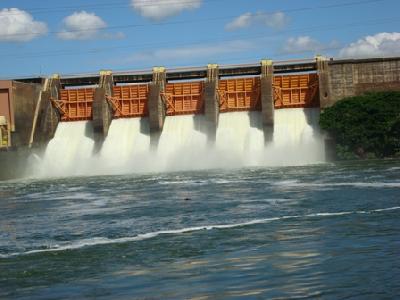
{"x":184,"y":145}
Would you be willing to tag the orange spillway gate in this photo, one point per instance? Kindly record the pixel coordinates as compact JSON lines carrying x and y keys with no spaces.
{"x":184,"y":98}
{"x":240,"y":94}
{"x":291,"y":91}
{"x":75,"y":104}
{"x":130,"y":101}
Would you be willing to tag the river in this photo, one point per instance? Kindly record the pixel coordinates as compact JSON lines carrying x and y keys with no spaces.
{"x":323,"y":231}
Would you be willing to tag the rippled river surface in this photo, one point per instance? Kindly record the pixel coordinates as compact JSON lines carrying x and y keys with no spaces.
{"x":330,"y":231}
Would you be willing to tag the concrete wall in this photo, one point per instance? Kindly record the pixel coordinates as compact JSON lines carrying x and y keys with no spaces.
{"x":24,"y":99}
{"x":354,"y":77}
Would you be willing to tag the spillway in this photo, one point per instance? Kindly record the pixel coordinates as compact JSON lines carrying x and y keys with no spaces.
{"x":69,"y":153}
{"x":126,"y":148}
{"x":297,"y":139}
{"x":239,"y":139}
{"x":183,"y":145}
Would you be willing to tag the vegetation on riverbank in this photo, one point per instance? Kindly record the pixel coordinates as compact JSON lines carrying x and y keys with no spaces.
{"x":366,"y":126}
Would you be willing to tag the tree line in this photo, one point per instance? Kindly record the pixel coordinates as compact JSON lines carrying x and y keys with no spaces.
{"x":366,"y":126}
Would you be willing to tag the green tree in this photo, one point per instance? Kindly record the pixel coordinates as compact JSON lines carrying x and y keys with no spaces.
{"x":366,"y":125}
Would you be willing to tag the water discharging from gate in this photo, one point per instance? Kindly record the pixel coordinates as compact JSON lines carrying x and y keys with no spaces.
{"x":183,"y":145}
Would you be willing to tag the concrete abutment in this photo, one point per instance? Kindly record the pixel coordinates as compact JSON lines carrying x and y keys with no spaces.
{"x":48,"y":117}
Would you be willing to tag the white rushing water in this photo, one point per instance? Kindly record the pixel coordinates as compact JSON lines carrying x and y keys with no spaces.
{"x":69,"y":152}
{"x":126,"y":147}
{"x":297,"y":140}
{"x":183,"y":145}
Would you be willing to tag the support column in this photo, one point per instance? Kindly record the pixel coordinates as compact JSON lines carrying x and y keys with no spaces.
{"x":46,"y":115}
{"x":323,"y":78}
{"x":211,"y":101}
{"x":157,"y":110}
{"x":267,"y":98}
{"x":102,"y":110}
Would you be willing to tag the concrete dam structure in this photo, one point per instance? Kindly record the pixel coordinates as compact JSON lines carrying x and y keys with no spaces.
{"x":189,"y":118}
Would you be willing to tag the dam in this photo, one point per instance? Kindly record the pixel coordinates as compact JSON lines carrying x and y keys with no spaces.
{"x":263,"y":114}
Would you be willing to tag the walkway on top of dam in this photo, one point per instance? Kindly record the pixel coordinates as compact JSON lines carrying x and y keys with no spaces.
{"x":182,"y":73}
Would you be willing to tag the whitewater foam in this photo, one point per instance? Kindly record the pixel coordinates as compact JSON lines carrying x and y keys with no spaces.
{"x":69,"y":152}
{"x":145,"y":236}
{"x":183,"y":145}
{"x":297,"y":183}
{"x":126,"y":147}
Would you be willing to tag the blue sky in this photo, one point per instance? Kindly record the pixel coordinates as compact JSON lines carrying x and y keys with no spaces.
{"x":69,"y":37}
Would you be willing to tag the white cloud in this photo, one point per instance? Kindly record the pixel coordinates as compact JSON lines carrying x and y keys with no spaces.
{"x":276,"y":20}
{"x":19,"y":26}
{"x":157,"y":10}
{"x":378,"y":45}
{"x":242,"y":21}
{"x":301,"y":44}
{"x":304,"y":44}
{"x":193,"y":52}
{"x":82,"y":26}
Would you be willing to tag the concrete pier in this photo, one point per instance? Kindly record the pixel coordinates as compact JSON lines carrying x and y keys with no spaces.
{"x":157,"y":107}
{"x":267,"y":99}
{"x":211,"y":101}
{"x":102,"y":110}
{"x":323,"y":80}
